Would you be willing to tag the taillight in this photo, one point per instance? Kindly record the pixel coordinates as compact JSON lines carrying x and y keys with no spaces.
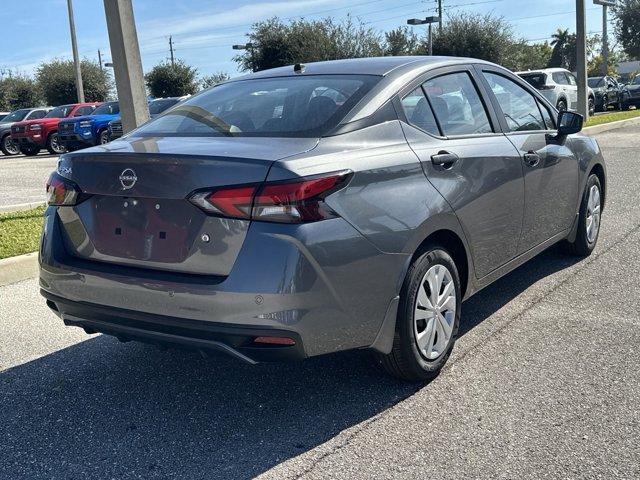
{"x":292,"y":201}
{"x":61,"y":191}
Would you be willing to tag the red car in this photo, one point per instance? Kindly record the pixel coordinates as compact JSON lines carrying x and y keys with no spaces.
{"x":33,"y":135}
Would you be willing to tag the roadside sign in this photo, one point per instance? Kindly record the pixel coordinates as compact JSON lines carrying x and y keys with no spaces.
{"x":605,"y":3}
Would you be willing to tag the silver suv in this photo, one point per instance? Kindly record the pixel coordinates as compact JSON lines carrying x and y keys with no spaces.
{"x":559,"y":86}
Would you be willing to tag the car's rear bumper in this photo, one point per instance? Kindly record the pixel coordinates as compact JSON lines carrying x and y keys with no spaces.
{"x":204,"y":337}
{"x":311,"y":282}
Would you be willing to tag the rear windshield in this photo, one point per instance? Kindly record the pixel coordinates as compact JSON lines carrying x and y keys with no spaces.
{"x":300,"y":106}
{"x":536,"y":80}
{"x":596,"y":82}
{"x":110,"y":108}
{"x":60,"y":112}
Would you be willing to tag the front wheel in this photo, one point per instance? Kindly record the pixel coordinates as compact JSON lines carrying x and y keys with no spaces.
{"x":54,"y":146}
{"x":428,"y":318}
{"x":8,"y":146}
{"x":589,"y":219}
{"x":561,"y":105}
{"x":103,"y":137}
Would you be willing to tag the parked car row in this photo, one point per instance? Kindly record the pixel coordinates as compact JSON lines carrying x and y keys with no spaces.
{"x":67,"y":127}
{"x":560,"y":87}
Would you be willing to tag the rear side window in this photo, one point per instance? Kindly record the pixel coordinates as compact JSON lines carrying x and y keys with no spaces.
{"x":519,"y":107}
{"x":560,"y":78}
{"x":86,"y":110}
{"x":419,"y":113}
{"x":457,"y":105}
{"x":296,"y":106}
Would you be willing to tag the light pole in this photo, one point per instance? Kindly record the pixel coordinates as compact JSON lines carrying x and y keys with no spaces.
{"x":245,"y":46}
{"x":605,"y":35}
{"x":74,"y":47}
{"x":427,"y":21}
{"x":581,"y":58}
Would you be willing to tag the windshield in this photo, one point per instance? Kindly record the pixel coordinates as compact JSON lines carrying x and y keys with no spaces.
{"x":111,"y":108}
{"x":159,"y":106}
{"x":60,"y":112}
{"x":596,"y":82}
{"x":16,"y":116}
{"x":536,"y":80}
{"x":300,"y":106}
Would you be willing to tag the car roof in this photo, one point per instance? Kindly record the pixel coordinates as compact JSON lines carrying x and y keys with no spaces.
{"x":380,"y":66}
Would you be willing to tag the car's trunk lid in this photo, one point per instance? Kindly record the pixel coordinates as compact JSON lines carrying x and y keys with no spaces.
{"x":137,"y":213}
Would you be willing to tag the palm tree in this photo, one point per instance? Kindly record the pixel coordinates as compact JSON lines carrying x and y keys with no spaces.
{"x":559,"y":42}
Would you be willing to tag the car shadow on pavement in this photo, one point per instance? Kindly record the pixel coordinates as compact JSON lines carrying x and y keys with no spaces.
{"x":101,"y":409}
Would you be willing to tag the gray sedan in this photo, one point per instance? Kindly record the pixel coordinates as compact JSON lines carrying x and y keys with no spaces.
{"x":294,"y":212}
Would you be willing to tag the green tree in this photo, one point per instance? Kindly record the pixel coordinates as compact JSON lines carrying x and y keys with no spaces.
{"x":57,"y":81}
{"x":172,"y":80}
{"x":627,"y":26}
{"x":274,"y":43}
{"x":213,"y":79}
{"x":559,"y":41}
{"x":19,"y":91}
{"x":402,"y":41}
{"x":486,"y":37}
{"x":523,"y":56}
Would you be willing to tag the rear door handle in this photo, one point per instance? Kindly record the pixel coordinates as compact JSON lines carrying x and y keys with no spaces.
{"x":444,"y":159}
{"x":531,"y":158}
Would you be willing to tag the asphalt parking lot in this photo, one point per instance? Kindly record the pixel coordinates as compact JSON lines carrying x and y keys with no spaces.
{"x":543,"y":383}
{"x":22,"y":178}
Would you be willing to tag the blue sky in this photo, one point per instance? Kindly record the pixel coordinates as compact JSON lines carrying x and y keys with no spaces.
{"x":204,"y":30}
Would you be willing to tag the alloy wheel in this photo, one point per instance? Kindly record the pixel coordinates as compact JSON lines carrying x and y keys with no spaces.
{"x":10,"y":146}
{"x":435,"y":312}
{"x":55,"y":144}
{"x":593,"y":214}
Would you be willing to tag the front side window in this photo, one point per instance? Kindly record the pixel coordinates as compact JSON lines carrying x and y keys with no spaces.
{"x":419,"y":113}
{"x":519,"y":107}
{"x":457,"y":105}
{"x":60,"y":112}
{"x":572,"y":79}
{"x":547,"y":116}
{"x":297,"y":106}
{"x":83,"y":111}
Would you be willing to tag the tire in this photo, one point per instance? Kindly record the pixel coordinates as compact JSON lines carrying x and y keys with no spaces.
{"x":103,"y":137}
{"x":407,"y":360}
{"x":8,"y":147}
{"x":587,"y":239}
{"x":30,"y":150}
{"x":603,"y":107}
{"x":53,"y":144}
{"x":592,"y":106}
{"x":561,"y":105}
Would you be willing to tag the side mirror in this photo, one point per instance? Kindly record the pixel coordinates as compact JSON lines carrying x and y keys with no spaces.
{"x":569,"y":122}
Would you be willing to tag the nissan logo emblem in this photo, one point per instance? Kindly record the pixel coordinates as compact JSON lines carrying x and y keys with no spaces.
{"x":128,"y":178}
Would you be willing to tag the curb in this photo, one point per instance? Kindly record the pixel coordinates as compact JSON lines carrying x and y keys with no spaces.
{"x":16,"y":269}
{"x":20,"y":207}
{"x":605,"y":127}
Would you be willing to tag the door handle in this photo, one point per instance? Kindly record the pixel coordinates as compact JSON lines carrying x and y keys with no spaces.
{"x":531,"y":158}
{"x":444,"y":159}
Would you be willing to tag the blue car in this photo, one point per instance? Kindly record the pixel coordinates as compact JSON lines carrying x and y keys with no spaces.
{"x":90,"y":130}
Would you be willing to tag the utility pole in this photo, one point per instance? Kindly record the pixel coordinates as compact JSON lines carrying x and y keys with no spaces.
{"x":127,"y":66}
{"x":581,"y":63}
{"x":440,"y":17}
{"x":74,"y":47}
{"x":171,"y":49}
{"x":100,"y":59}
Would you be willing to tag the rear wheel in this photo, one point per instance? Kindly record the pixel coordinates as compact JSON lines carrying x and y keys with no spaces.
{"x":428,"y":318}
{"x":8,"y":146}
{"x":592,"y":106}
{"x":589,"y":219}
{"x":53,"y":144}
{"x":29,"y":150}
